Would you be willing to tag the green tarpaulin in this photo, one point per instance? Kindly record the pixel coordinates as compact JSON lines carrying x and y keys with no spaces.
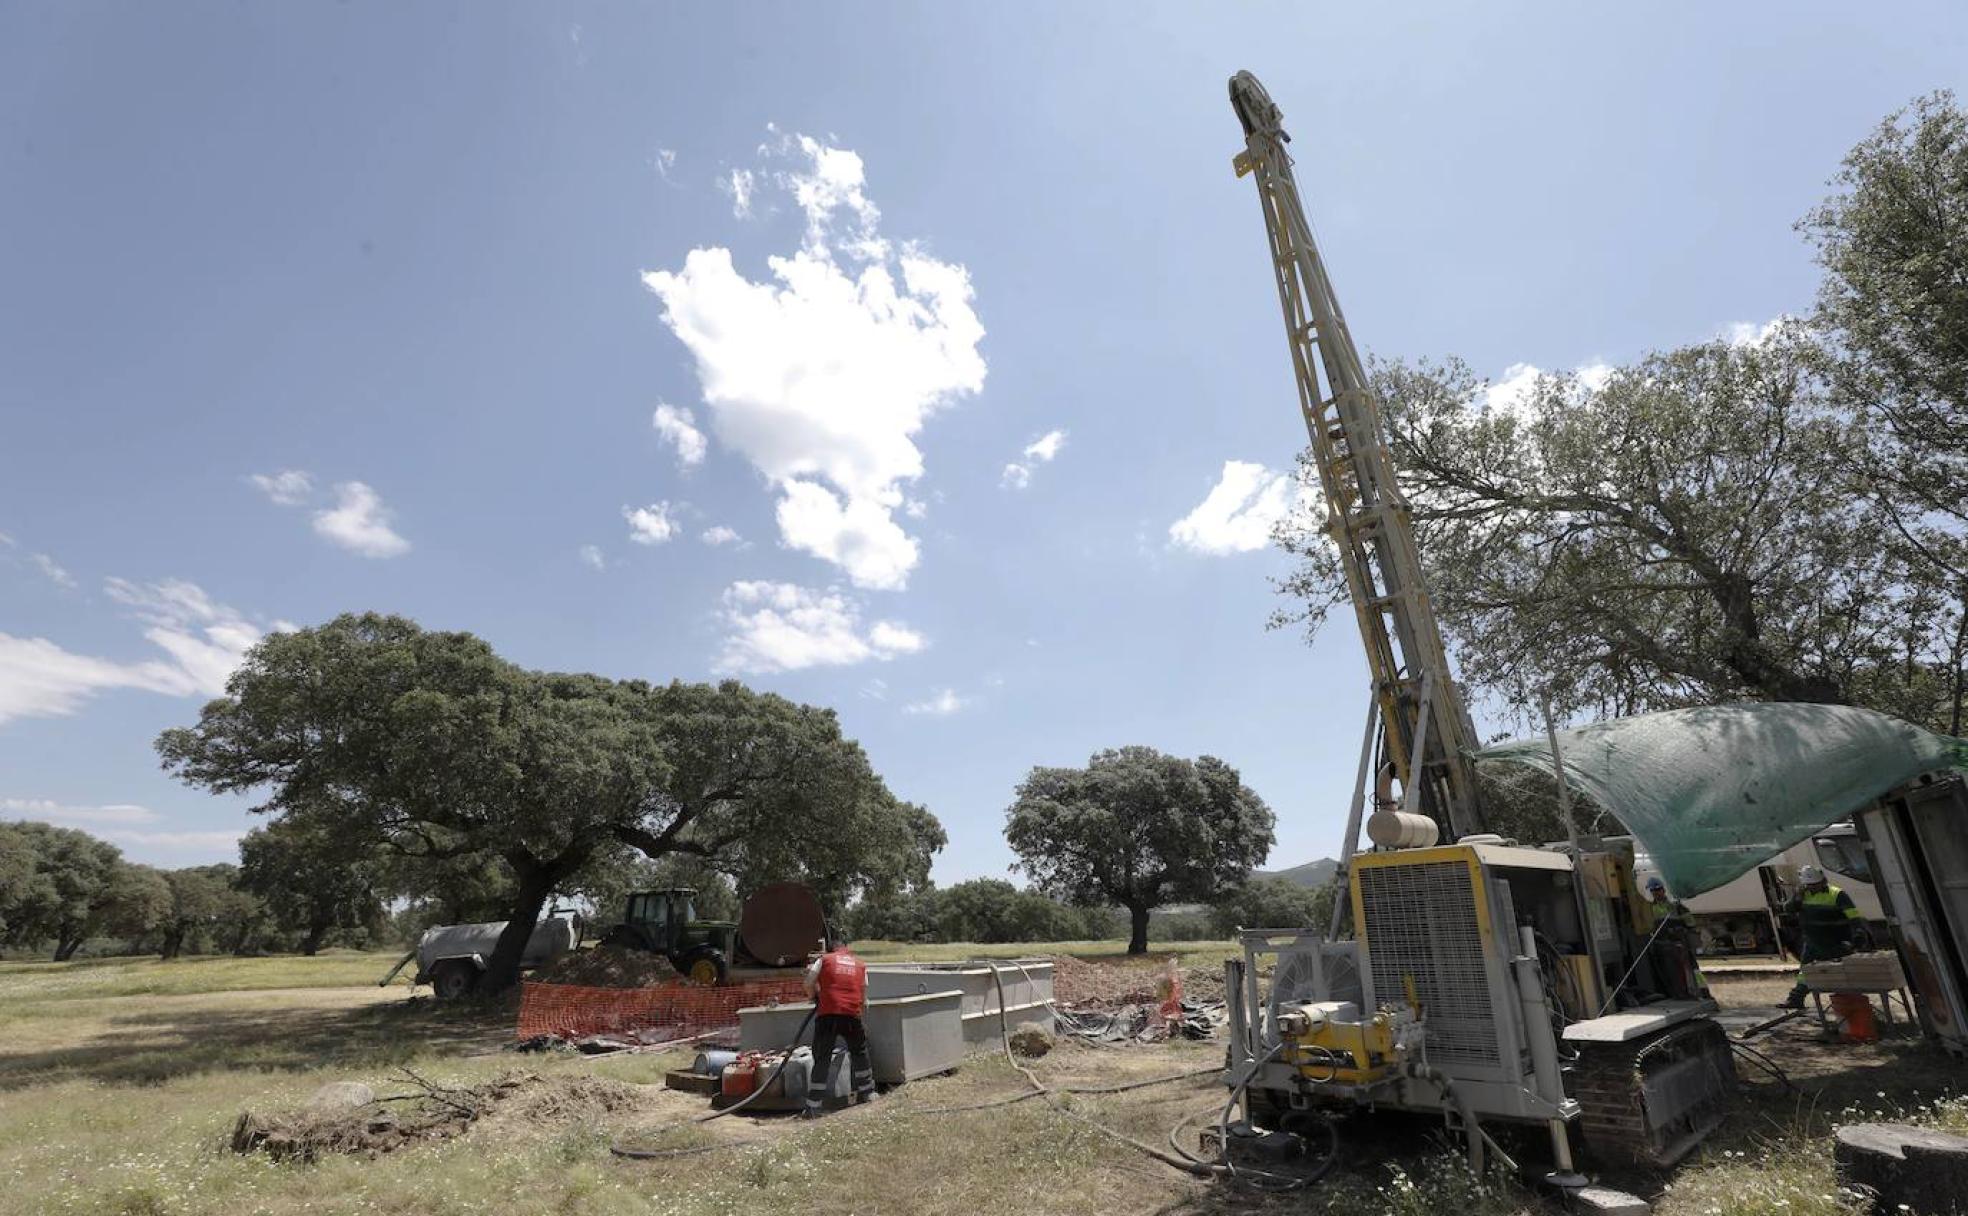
{"x":1711,"y":793}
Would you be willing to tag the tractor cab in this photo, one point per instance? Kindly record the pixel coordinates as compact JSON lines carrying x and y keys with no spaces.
{"x":665,"y":922}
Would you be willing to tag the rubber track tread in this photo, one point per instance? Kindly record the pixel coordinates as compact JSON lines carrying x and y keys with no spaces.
{"x":1606,"y":1084}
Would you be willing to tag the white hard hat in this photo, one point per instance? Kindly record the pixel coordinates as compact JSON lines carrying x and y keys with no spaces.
{"x":1810,"y":876}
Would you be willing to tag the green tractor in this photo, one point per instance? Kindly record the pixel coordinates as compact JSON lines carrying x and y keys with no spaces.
{"x":665,"y":922}
{"x":779,"y":927}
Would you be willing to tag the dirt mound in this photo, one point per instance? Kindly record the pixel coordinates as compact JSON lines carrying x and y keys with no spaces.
{"x":569,"y":1099}
{"x":1079,"y":983}
{"x":429,"y":1112}
{"x":608,"y":967}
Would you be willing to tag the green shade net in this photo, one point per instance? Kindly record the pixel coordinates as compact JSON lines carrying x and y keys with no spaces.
{"x":1711,"y":793}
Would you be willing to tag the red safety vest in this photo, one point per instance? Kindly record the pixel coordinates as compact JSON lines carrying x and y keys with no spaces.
{"x":843,"y":984}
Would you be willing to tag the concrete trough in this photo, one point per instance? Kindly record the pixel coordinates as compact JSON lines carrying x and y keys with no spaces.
{"x":1027,"y":985}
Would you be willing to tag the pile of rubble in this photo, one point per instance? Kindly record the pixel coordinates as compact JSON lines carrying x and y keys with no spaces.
{"x":607,"y":967}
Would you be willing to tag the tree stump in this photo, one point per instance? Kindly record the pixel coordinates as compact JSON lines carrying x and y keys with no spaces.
{"x":1904,"y":1169}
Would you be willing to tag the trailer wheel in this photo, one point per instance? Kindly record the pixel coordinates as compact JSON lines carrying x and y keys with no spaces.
{"x":453,"y":979}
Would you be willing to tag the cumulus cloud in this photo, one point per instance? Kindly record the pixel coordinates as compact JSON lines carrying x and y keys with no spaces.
{"x":650,"y":525}
{"x":201,"y":641}
{"x":1510,"y":393}
{"x":718,"y":534}
{"x":360,"y":523}
{"x":591,"y":556}
{"x":783,"y":627}
{"x":289,"y":487}
{"x":1017,"y":475}
{"x":823,"y":374}
{"x":1749,"y":333}
{"x":678,"y":427}
{"x":942,"y":705}
{"x":1238,"y":514}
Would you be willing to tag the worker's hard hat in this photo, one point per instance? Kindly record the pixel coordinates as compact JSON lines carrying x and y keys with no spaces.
{"x":1655,"y":884}
{"x":1810,"y":876}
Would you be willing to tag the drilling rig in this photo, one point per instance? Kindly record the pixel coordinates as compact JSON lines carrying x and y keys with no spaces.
{"x":1483,"y":980}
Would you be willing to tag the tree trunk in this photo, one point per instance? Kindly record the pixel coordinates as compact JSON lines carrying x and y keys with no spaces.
{"x":66,"y":947}
{"x":311,"y":944}
{"x":536,"y":882}
{"x":173,"y":942}
{"x":1138,"y":934}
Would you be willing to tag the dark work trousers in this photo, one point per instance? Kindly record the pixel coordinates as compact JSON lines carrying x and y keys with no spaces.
{"x":827,"y":1029}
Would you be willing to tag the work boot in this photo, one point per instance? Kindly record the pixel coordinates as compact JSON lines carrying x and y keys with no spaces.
{"x":1794,"y":1001}
{"x":810,"y":1112}
{"x":865,"y":1096}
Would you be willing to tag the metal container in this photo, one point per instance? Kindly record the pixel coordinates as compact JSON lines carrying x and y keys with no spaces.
{"x":711,"y":1063}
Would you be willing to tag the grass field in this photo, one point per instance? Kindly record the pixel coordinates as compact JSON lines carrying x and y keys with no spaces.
{"x":120,"y":1082}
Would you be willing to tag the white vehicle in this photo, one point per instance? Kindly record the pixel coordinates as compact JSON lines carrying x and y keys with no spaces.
{"x":450,"y":958}
{"x":1745,"y":916}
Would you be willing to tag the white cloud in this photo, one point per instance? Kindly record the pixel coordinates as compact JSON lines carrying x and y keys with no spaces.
{"x":783,"y":627}
{"x":1239,"y":513}
{"x":721,"y":535}
{"x":1046,"y":446}
{"x":360,"y":523}
{"x":858,"y":534}
{"x":665,"y":161}
{"x":823,"y":375}
{"x":1749,"y":333}
{"x":1510,"y":393}
{"x":650,"y":525}
{"x":679,"y":427}
{"x":1040,"y":451}
{"x":591,"y":556}
{"x":202,"y":640}
{"x":876,"y":689}
{"x":204,"y":842}
{"x":741,"y":186}
{"x":56,"y":575}
{"x":206,"y":640}
{"x":49,"y":811}
{"x":289,"y":487}
{"x":942,"y":705}
{"x":6,"y":540}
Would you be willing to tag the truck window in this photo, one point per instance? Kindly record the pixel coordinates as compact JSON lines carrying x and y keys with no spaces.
{"x":1843,"y":854}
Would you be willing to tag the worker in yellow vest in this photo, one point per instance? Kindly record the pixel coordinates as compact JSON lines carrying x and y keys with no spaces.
{"x":1827,"y":919}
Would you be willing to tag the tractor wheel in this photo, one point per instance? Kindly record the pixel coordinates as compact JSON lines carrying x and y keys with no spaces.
{"x":451,"y":980}
{"x":705,"y":968}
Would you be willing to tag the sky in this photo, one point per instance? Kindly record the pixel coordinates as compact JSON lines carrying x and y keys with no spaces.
{"x":919,"y":361}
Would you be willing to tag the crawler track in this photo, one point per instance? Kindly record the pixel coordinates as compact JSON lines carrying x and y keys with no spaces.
{"x":1649,"y":1101}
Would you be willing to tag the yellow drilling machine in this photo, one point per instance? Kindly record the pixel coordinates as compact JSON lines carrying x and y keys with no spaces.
{"x":1482,"y":980}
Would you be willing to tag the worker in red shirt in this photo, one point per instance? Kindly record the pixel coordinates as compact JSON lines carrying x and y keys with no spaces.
{"x":838,"y":983}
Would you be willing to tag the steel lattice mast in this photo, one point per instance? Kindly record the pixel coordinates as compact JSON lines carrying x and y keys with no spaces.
{"x":1425,"y":727}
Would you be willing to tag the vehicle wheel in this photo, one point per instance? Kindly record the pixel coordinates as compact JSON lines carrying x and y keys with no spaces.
{"x":705,"y":968}
{"x":453,"y":979}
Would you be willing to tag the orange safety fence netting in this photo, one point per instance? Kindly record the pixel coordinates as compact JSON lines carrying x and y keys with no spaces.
{"x":678,"y":1010}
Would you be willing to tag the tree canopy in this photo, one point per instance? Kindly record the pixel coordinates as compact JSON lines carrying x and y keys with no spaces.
{"x":308,"y":877}
{"x":1138,"y":828}
{"x":429,"y":746}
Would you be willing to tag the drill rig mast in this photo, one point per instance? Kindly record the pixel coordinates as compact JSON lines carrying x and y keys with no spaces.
{"x":1483,"y":979}
{"x":1426,"y":732}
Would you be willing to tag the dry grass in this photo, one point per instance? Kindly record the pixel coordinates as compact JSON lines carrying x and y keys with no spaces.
{"x":120,"y":1101}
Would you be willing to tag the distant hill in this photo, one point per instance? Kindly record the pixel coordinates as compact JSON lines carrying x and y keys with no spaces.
{"x":1311,"y":874}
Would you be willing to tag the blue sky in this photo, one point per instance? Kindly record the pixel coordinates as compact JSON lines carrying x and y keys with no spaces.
{"x":957,"y":313}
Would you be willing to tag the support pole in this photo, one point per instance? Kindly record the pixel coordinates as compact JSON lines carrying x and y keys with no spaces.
{"x":1353,"y":816}
{"x":1558,"y":771}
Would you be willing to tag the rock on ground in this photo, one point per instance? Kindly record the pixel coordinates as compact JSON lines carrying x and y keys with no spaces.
{"x":1031,"y":1040}
{"x":1903,"y":1168}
